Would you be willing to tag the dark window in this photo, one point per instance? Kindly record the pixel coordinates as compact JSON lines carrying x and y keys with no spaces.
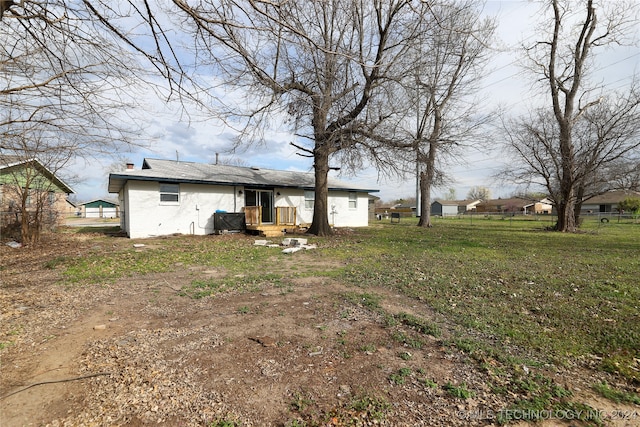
{"x":170,"y":193}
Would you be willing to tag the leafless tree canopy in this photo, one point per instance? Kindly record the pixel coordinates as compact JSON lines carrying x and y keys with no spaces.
{"x":479,"y":192}
{"x":65,"y":85}
{"x":442,"y":118}
{"x":566,"y":148}
{"x":321,"y":66}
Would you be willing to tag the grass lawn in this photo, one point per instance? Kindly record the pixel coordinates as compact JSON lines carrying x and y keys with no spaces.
{"x":561,"y":296}
{"x":515,"y":294}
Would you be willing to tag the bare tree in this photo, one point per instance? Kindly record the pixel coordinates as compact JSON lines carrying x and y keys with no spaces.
{"x":450,"y":195}
{"x":320,"y":65}
{"x":565,"y":148}
{"x":605,"y":147}
{"x":624,"y":174}
{"x":33,"y":195}
{"x":65,"y":89}
{"x":479,"y":192}
{"x":446,"y":68}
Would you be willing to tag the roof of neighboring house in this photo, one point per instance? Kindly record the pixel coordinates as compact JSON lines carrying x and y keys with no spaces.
{"x":458,"y":202}
{"x":96,"y":202}
{"x":202,"y":173}
{"x":515,"y":202}
{"x":9,"y":163}
{"x":611,"y":197}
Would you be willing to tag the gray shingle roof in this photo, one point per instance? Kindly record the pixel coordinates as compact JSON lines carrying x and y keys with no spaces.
{"x":611,"y":197}
{"x":202,"y":173}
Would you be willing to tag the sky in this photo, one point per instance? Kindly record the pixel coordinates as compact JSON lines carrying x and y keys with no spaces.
{"x":506,"y":86}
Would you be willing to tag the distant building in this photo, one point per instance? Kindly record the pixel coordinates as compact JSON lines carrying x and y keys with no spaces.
{"x":453,"y":207}
{"x":45,"y":193}
{"x":100,"y":209}
{"x":516,"y":205}
{"x":607,"y":202}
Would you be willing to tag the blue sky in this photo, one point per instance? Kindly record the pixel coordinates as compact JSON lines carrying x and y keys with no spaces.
{"x":506,"y":86}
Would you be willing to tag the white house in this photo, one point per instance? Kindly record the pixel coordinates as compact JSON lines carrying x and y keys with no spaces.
{"x":167,"y":197}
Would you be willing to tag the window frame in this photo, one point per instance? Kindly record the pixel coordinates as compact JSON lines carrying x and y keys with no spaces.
{"x":353,"y":200}
{"x":164,"y":191}
{"x":309,"y":199}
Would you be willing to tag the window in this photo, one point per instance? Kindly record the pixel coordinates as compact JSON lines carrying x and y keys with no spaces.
{"x":169,"y":193}
{"x":309,"y":199}
{"x":353,"y":200}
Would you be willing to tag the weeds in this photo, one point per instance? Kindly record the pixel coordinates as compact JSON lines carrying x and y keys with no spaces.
{"x":421,"y":325}
{"x":224,"y":423}
{"x":399,"y":377}
{"x":617,"y":396}
{"x":458,"y":391}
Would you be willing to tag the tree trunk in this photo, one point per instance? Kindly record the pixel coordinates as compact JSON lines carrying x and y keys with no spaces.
{"x":578,"y":205}
{"x":425,"y":198}
{"x":320,"y":224}
{"x":426,"y":178}
{"x":566,"y":212}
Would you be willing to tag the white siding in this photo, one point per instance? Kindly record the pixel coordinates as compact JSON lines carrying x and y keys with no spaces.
{"x":144,"y":215}
{"x":341,"y":215}
{"x":294,"y":198}
{"x":147,"y":216}
{"x":107,"y":212}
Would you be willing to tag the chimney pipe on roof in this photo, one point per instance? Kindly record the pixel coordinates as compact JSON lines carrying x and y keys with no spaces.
{"x":217,"y":155}
{"x":129,"y":165}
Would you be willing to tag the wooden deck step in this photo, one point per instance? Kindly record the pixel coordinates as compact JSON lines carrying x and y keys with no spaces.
{"x":267,"y":230}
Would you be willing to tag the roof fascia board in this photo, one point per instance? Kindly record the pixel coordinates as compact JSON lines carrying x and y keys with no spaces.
{"x":127,"y":177}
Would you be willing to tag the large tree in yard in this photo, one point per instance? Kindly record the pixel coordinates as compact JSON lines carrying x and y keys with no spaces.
{"x":567,"y":146}
{"x":445,"y":70}
{"x":324,"y":65}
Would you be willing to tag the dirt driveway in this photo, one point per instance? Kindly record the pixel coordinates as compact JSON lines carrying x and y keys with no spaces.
{"x":136,"y":352}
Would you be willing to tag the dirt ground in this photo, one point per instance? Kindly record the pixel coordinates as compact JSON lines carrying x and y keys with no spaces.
{"x":134,"y":352}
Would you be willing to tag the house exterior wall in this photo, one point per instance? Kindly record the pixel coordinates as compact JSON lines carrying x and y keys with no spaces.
{"x":144,"y":215}
{"x":345,"y":216}
{"x":543,"y":208}
{"x":53,"y":204}
{"x":449,"y":210}
{"x":594,"y":208}
{"x":341,"y":214}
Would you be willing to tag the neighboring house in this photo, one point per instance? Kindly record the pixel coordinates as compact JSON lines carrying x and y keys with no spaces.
{"x":607,"y":202}
{"x":71,"y":209}
{"x":100,"y":209}
{"x":544,"y":206}
{"x":515,"y":205}
{"x":167,"y":197}
{"x":453,"y":207}
{"x":42,"y":188}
